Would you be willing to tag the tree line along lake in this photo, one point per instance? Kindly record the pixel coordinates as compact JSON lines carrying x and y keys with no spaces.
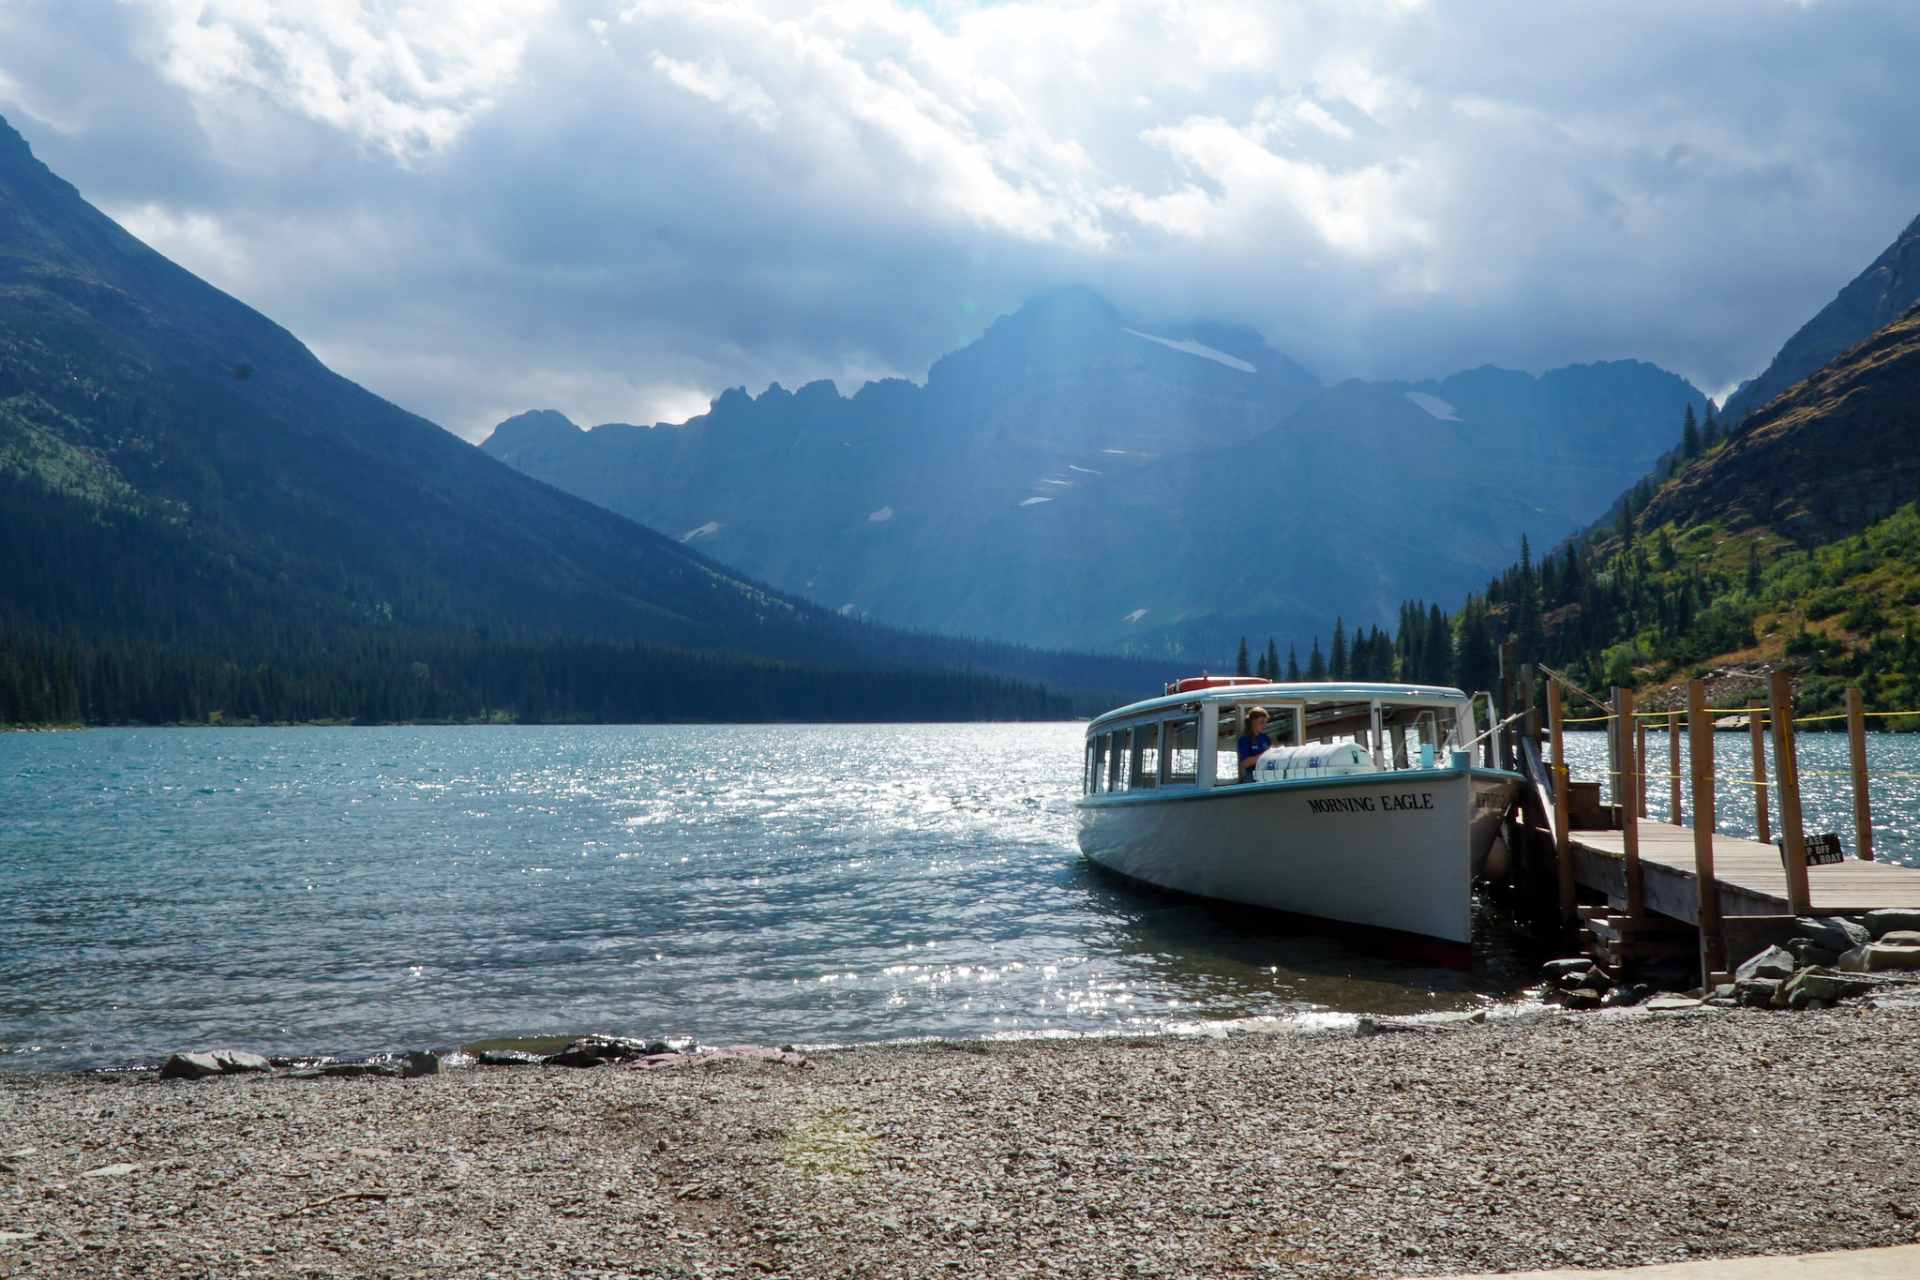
{"x":357,"y":890}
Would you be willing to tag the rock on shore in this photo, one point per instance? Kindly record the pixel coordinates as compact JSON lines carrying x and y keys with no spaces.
{"x":1558,"y":1139}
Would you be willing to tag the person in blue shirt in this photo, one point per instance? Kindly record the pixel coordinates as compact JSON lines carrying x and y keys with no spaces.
{"x":1253,"y":742}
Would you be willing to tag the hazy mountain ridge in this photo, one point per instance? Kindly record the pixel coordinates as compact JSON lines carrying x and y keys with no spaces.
{"x":1837,"y":452}
{"x":1080,"y":477}
{"x":1872,"y":300}
{"x":1794,"y":542}
{"x":199,"y":516}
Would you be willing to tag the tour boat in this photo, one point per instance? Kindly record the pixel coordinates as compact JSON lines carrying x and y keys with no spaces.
{"x":1367,"y":809}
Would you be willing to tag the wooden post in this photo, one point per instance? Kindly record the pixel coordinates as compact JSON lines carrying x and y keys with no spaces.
{"x":1712,"y":946}
{"x":1562,"y":836}
{"x":1640,"y":765}
{"x":1532,"y":723}
{"x":1756,"y":726}
{"x":1616,"y":772}
{"x":1786,"y":768}
{"x":1509,"y":756}
{"x":1862,"y":806}
{"x":1673,"y":765}
{"x":1629,"y":815}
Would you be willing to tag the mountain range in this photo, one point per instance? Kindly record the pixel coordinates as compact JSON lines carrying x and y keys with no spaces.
{"x":198,"y":517}
{"x":1793,"y":541}
{"x":1081,"y":477}
{"x":1875,"y":298}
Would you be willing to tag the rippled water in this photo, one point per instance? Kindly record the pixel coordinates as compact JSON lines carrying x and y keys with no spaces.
{"x":1826,"y":784}
{"x":360,"y":890}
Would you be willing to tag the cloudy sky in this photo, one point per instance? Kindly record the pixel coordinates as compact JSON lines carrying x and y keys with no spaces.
{"x":618,"y":208}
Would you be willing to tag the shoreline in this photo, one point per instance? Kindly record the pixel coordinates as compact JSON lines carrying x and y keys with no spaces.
{"x":464,"y":1053}
{"x":1560,"y":1139}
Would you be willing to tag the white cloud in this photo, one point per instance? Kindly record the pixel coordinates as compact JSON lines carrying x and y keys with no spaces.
{"x":618,"y":209}
{"x":404,"y":75}
{"x":711,"y":80}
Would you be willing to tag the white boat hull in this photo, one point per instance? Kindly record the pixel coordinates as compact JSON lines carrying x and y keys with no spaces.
{"x":1393,"y":851}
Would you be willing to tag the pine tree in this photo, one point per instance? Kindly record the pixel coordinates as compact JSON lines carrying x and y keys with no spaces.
{"x":1316,"y":665}
{"x":1338,"y":665}
{"x":1240,"y":659}
{"x":1753,"y":568}
{"x":1273,"y":661}
{"x":1710,"y":429}
{"x":1689,"y":436}
{"x":1439,"y":648}
{"x":1293,"y":665}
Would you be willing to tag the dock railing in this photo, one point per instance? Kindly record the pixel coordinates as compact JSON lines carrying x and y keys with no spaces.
{"x":1628,"y":775}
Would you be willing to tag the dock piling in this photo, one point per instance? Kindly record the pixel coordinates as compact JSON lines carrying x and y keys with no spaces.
{"x":1633,"y":770}
{"x":1562,"y":833}
{"x":1786,"y":768}
{"x":1756,"y":728}
{"x":1862,"y":806}
{"x":1509,"y":753}
{"x":1713,"y":955}
{"x":1673,"y":765}
{"x":1640,"y":766}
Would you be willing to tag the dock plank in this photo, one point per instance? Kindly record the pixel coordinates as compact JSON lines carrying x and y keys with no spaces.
{"x":1752,"y":868}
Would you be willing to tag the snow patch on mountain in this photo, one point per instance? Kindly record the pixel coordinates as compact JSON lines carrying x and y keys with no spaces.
{"x":1435,"y":406}
{"x":1200,"y":349}
{"x":706,"y":530}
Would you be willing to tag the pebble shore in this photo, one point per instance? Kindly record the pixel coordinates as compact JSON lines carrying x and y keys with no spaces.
{"x":1550,"y":1140}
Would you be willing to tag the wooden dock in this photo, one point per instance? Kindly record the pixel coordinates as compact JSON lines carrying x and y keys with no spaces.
{"x":1749,"y":875}
{"x":1666,"y":890}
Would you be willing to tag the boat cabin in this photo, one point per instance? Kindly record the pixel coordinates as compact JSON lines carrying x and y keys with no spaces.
{"x":1189,"y":738}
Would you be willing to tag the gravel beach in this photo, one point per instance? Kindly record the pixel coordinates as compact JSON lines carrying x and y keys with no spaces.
{"x":1556,"y":1140}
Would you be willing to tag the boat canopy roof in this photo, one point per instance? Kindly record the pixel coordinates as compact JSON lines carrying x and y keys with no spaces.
{"x":1324,"y":691}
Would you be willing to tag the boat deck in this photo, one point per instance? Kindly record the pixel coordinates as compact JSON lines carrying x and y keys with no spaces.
{"x":1749,"y":874}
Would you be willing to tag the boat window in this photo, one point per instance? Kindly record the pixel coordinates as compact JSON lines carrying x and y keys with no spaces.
{"x":1117,"y":752}
{"x":1283,"y":730}
{"x":1341,"y":722}
{"x":1183,"y":750}
{"x":1096,"y":765}
{"x":1415,"y":735}
{"x":1146,"y":755}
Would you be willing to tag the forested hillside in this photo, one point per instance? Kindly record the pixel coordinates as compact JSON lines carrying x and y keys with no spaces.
{"x":1792,"y":541}
{"x":198,"y":519}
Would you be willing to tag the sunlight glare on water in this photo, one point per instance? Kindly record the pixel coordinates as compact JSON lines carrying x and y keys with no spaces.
{"x":364,"y":890}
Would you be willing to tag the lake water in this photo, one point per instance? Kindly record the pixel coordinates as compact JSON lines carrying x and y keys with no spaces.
{"x":360,"y":890}
{"x":351,"y":891}
{"x":1826,"y":784}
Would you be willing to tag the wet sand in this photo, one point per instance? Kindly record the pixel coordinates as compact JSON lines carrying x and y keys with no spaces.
{"x":1559,"y":1140}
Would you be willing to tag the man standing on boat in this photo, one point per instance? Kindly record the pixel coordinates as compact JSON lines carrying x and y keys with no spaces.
{"x":1253,"y":742}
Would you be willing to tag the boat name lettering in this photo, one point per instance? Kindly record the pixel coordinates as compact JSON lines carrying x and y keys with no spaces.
{"x":1342,"y":804}
{"x":1395,"y":803}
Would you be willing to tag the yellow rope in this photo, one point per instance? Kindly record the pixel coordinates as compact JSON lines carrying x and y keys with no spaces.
{"x":1724,"y":712}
